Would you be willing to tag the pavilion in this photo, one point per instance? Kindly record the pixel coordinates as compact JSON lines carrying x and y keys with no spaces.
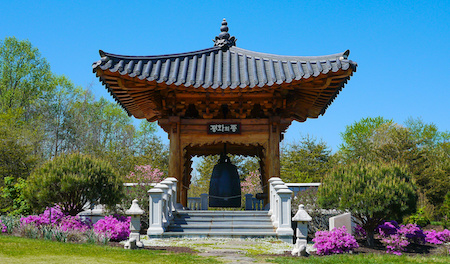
{"x":224,"y":94}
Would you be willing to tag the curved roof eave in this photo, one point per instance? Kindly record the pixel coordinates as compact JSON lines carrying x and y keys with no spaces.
{"x":223,"y":68}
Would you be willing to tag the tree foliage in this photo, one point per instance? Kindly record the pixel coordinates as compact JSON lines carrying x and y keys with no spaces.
{"x":371,"y":192}
{"x":418,"y":146}
{"x":307,"y":161}
{"x":43,"y":115}
{"x":71,"y":181}
{"x":24,"y":75}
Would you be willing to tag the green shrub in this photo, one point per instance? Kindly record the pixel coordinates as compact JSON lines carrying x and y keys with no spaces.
{"x":418,"y":218}
{"x":371,"y":192}
{"x":71,"y":181}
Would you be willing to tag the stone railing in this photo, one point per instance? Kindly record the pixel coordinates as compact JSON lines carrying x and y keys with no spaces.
{"x":162,"y":200}
{"x":198,"y":203}
{"x":162,"y":204}
{"x":280,"y":206}
{"x":253,"y":203}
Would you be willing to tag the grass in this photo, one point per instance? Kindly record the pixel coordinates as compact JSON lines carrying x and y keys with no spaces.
{"x":24,"y":250}
{"x":362,"y":259}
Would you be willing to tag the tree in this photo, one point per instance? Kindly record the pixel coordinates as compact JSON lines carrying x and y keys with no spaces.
{"x":71,"y":181}
{"x":307,"y":161}
{"x":357,"y":138}
{"x":24,"y":75}
{"x":371,"y":192}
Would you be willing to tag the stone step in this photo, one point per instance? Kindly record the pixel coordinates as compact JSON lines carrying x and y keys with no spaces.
{"x":230,"y":224}
{"x":222,"y":213}
{"x":228,"y":233}
{"x":222,"y":219}
{"x":221,"y":226}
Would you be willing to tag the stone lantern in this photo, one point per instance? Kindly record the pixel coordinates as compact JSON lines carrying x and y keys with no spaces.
{"x":302,"y":218}
{"x":135,"y":213}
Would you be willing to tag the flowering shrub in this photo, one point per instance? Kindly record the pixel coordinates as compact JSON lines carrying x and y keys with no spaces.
{"x":437,"y":238}
{"x":3,"y":227}
{"x":252,"y":183}
{"x":359,"y":232}
{"x":54,"y":213}
{"x":397,"y":238}
{"x":395,"y":244}
{"x":388,"y":228}
{"x":74,"y":223}
{"x":413,"y":233}
{"x":113,"y":228}
{"x":335,"y":241}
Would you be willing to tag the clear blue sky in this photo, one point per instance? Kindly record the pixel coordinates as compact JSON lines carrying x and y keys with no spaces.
{"x":402,"y":47}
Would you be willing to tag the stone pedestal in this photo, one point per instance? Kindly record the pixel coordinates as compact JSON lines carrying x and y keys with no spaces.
{"x":155,"y":219}
{"x":302,"y":218}
{"x":135,"y":213}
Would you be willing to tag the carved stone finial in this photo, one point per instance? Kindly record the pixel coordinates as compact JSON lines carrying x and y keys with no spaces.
{"x":224,"y":40}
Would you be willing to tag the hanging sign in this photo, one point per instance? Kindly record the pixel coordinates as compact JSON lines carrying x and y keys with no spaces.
{"x":224,"y":128}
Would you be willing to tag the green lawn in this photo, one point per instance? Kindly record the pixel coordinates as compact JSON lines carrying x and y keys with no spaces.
{"x":23,"y":250}
{"x":362,"y":259}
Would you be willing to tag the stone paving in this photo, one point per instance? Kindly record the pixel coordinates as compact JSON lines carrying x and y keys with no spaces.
{"x":227,"y":250}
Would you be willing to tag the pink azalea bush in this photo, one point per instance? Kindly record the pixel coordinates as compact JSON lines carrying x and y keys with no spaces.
{"x":74,"y":223}
{"x":388,"y":228}
{"x":336,"y":241}
{"x":437,"y":238}
{"x":359,"y":232}
{"x":398,"y":237}
{"x":413,"y":233}
{"x":51,"y":216}
{"x":395,"y":244}
{"x":113,"y":228}
{"x":3,"y":227}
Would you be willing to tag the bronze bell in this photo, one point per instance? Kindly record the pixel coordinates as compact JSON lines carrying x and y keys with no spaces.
{"x":225,"y":185}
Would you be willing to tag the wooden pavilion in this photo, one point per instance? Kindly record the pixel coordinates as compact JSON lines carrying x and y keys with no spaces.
{"x":224,"y":94}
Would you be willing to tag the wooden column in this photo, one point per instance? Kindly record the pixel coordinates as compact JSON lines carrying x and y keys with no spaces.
{"x":175,"y":169}
{"x":273,"y":152}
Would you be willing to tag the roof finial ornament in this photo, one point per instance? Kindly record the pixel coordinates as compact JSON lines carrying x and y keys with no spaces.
{"x":224,"y":40}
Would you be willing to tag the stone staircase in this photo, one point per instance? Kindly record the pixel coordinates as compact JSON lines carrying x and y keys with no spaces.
{"x":225,"y":224}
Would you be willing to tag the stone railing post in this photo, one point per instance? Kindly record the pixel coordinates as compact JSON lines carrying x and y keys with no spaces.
{"x":272,"y":193}
{"x":174,"y":193}
{"x":169,"y":203}
{"x":164,"y":201}
{"x":302,"y":218}
{"x":277,"y":186}
{"x":284,"y":218}
{"x":155,"y":218}
{"x":249,"y":201}
{"x":204,"y":201}
{"x":135,"y":213}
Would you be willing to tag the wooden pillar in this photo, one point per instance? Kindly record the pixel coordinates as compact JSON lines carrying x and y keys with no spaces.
{"x":175,"y":169}
{"x":273,"y":152}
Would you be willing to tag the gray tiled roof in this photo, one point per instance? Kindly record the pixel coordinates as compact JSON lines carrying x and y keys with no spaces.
{"x":218,"y":67}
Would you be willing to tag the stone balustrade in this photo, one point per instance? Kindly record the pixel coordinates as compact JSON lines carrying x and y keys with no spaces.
{"x":162,"y":204}
{"x":162,"y":199}
{"x":280,"y":206}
